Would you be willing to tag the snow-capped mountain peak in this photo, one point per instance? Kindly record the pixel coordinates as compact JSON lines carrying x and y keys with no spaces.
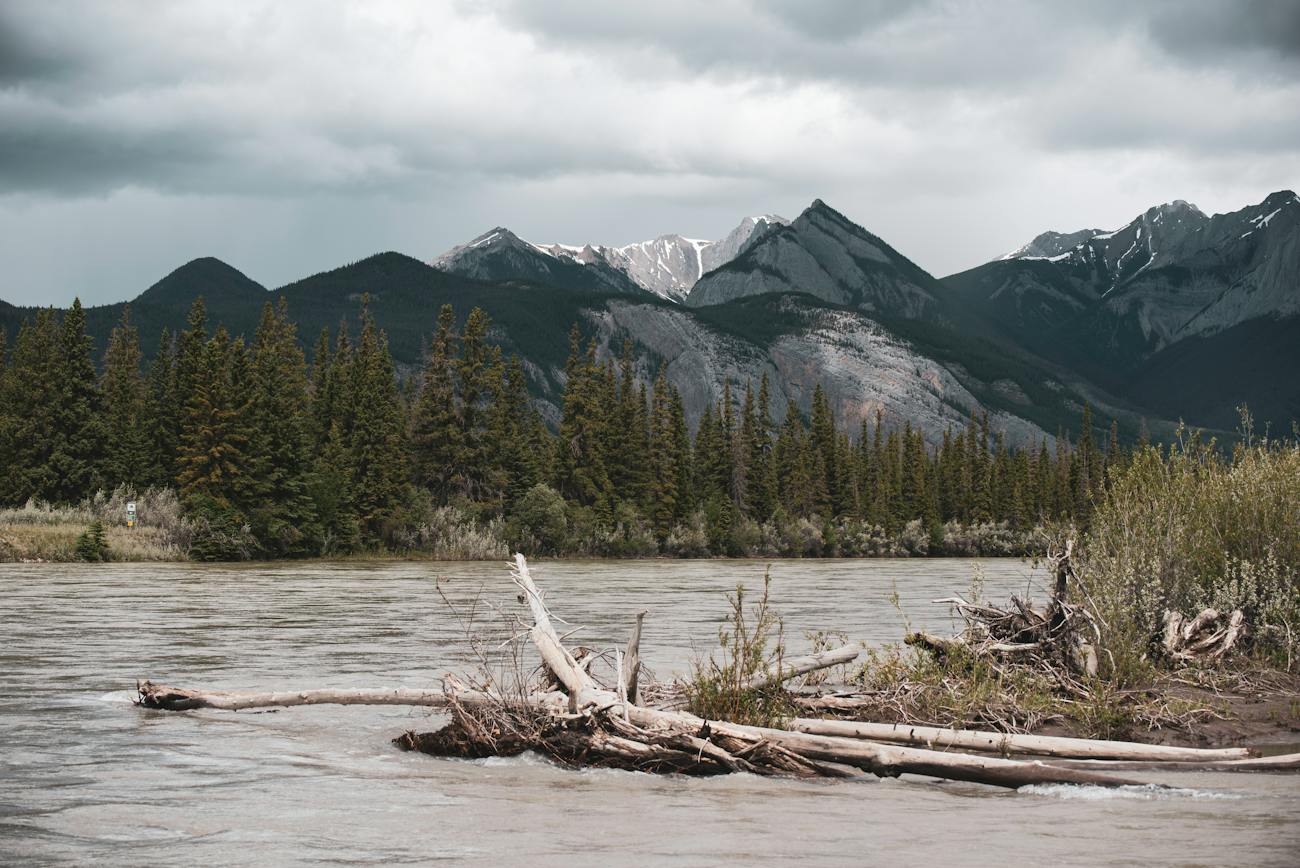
{"x":669,"y":265}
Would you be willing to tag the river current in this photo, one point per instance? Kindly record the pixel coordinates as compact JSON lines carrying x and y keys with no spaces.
{"x":87,"y":778}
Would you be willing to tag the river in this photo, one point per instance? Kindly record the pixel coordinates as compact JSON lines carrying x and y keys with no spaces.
{"x":85,"y":777}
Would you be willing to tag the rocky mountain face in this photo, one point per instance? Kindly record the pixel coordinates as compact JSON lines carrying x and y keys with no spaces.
{"x":1050,"y":244}
{"x":824,"y":254}
{"x":668,"y":266}
{"x":863,"y":367}
{"x":1112,"y":304}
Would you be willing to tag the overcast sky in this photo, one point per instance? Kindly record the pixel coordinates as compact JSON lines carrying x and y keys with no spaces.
{"x":288,"y":138}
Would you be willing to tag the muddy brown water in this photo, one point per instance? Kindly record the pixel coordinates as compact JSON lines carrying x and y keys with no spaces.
{"x":85,"y":777}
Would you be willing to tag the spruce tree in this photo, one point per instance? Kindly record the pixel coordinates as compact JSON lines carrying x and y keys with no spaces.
{"x":663,"y":493}
{"x":581,"y":474}
{"x":331,"y":487}
{"x":76,"y":432}
{"x":377,"y":447}
{"x":162,"y":421}
{"x":435,"y":423}
{"x":914,"y":494}
{"x":128,"y":456}
{"x":479,"y":477}
{"x":760,"y":480}
{"x":517,"y":434}
{"x":321,"y":403}
{"x":824,"y":463}
{"x":213,"y":454}
{"x":280,"y":507}
{"x":8,"y":404}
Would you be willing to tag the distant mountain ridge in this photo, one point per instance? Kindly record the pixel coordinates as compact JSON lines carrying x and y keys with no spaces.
{"x":1176,"y":314}
{"x":1113,"y":304}
{"x":667,"y":266}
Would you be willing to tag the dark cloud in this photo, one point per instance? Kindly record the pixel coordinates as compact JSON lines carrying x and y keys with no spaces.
{"x":335,"y":127}
{"x":1203,"y":31}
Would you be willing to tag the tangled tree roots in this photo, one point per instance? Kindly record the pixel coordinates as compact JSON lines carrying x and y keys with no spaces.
{"x":1060,"y":640}
{"x":1208,"y":636}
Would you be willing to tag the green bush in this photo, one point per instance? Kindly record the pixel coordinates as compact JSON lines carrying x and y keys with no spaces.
{"x":539,"y":523}
{"x":220,"y":532}
{"x":1190,"y":528}
{"x":92,"y":546}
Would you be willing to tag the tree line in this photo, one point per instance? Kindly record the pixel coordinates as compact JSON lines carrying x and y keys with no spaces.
{"x":275,"y":457}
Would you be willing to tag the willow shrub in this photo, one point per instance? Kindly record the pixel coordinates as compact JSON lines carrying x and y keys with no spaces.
{"x":1189,"y":527}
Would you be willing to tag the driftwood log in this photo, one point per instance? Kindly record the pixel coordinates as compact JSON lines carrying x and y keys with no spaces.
{"x":1061,"y":638}
{"x":1208,"y":636}
{"x":577,"y":720}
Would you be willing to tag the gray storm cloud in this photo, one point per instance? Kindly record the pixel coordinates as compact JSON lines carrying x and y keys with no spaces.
{"x":287,"y":137}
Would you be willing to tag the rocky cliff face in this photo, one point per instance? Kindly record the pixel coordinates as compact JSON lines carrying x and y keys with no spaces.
{"x":863,"y":368}
{"x":1110,"y":305}
{"x":824,"y":254}
{"x":1170,"y":273}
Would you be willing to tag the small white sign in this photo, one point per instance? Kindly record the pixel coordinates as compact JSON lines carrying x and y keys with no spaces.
{"x":130,"y":508}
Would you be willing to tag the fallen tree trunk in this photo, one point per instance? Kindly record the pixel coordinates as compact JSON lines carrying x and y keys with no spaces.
{"x":796,"y":666}
{"x":1010,"y":743}
{"x":588,"y":723}
{"x":1281,"y":763}
{"x":161,"y":696}
{"x":889,"y":760}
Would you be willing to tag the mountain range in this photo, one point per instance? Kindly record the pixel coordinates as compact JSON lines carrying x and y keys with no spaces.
{"x":1174,"y":315}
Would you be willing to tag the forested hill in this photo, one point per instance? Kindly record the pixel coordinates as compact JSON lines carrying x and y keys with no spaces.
{"x":933,"y":380}
{"x":405,"y":296}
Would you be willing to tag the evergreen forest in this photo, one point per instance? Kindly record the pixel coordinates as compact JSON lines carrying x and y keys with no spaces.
{"x":269,"y":456}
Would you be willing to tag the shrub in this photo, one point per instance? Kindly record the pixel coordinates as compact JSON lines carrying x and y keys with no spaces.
{"x":688,"y":539}
{"x":219,"y":532}
{"x":92,"y":546}
{"x":452,"y":534}
{"x":751,"y":644}
{"x":1193,"y":528}
{"x":539,"y":522}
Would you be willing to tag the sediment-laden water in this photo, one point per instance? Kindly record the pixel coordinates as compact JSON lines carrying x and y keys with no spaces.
{"x":85,"y":777}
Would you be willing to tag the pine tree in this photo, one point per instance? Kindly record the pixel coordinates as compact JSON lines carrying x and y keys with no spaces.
{"x":162,"y":421}
{"x":212,"y":458}
{"x":377,"y":454}
{"x":8,"y":402}
{"x":435,"y":424}
{"x":662,"y":498}
{"x":479,"y":477}
{"x":77,"y":431}
{"x":280,"y":507}
{"x":581,"y":474}
{"x":128,"y":456}
{"x":35,"y":386}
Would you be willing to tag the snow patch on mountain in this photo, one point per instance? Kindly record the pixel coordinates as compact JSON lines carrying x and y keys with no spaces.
{"x":670,"y":265}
